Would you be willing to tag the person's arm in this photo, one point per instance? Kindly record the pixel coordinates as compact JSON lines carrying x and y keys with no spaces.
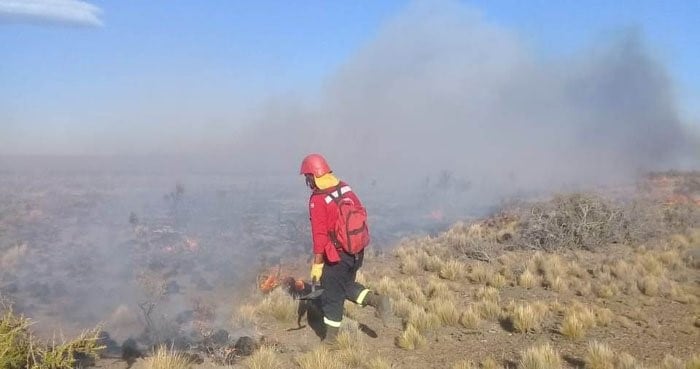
{"x":319,"y":228}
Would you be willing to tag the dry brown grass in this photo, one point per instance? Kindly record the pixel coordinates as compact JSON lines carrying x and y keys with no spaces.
{"x":693,"y":362}
{"x":650,"y":264}
{"x":445,"y":310}
{"x":167,"y":359}
{"x":411,"y":338}
{"x":410,"y":288}
{"x":479,"y":273}
{"x":626,"y":361}
{"x":464,"y":364}
{"x":486,"y":293}
{"x":605,"y":288}
{"x":320,"y":358}
{"x":452,"y":270}
{"x":410,"y":265}
{"x":572,"y":326}
{"x":470,"y":318}
{"x":497,"y":280}
{"x":621,"y":269}
{"x":377,"y":363}
{"x":599,"y":356}
{"x":278,"y":305}
{"x":388,"y":287}
{"x":432,"y":263}
{"x":527,"y":279}
{"x":488,"y":310}
{"x":540,"y":357}
{"x":264,"y":358}
{"x":402,"y":307}
{"x":438,"y":289}
{"x":525,"y":318}
{"x":649,"y":285}
{"x":671,"y":362}
{"x":490,"y":363}
{"x":246,"y":316}
{"x":423,"y":321}
{"x":603,"y":317}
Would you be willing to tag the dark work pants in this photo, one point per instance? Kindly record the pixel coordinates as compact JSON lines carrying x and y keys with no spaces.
{"x":338,"y":282}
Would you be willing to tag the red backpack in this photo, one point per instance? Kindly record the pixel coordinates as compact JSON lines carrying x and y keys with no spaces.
{"x":350,"y":232}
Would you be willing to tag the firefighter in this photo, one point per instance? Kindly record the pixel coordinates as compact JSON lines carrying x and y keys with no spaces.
{"x":333,"y":265}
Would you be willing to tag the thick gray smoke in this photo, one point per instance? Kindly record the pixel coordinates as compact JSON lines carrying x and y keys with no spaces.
{"x":440,"y":90}
{"x":442,"y":113}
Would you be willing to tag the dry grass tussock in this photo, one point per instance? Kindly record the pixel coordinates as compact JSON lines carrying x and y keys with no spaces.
{"x":411,"y":338}
{"x":649,"y":285}
{"x":527,"y":279}
{"x":389,"y":288}
{"x":671,"y":362}
{"x":445,"y":310}
{"x":410,"y":288}
{"x":423,"y":321}
{"x":452,"y":270}
{"x":488,"y":310}
{"x":540,"y":357}
{"x":599,"y":356}
{"x":573,"y":326}
{"x":626,"y":361}
{"x":490,"y":363}
{"x":480,"y":273}
{"x":465,"y":364}
{"x":320,"y":358}
{"x":20,"y":349}
{"x":438,"y":289}
{"x":377,"y":363}
{"x":245,"y":316}
{"x":264,"y":358}
{"x":402,"y":307}
{"x":278,"y":305}
{"x":486,"y":294}
{"x":470,"y":318}
{"x":526,"y":318}
{"x":163,"y":358}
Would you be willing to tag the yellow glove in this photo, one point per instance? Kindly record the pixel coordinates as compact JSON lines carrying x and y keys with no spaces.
{"x":316,"y":272}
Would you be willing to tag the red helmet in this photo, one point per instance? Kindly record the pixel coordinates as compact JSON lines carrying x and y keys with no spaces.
{"x":314,"y":164}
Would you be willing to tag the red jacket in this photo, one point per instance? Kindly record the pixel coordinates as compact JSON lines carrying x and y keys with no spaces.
{"x":323,"y":213}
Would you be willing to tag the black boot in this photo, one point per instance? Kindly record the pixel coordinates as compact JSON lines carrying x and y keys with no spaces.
{"x":381,"y":304}
{"x":331,"y":336}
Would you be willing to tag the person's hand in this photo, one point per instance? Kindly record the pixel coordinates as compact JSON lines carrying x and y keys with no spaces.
{"x":316,"y":272}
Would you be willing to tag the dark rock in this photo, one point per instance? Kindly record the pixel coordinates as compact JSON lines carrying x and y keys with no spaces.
{"x":245,"y":346}
{"x":111,"y":347}
{"x":219,"y":338}
{"x":131,"y":351}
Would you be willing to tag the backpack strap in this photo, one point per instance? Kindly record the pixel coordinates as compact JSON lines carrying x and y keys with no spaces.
{"x":338,"y":193}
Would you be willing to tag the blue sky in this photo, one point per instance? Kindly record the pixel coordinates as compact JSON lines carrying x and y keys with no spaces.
{"x":70,"y":75}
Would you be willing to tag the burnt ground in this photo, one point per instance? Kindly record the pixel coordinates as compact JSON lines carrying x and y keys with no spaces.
{"x":59,"y":277}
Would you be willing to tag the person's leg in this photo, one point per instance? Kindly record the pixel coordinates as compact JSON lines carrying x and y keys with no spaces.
{"x":354,"y":291}
{"x":333,"y":297}
{"x":363,"y":296}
